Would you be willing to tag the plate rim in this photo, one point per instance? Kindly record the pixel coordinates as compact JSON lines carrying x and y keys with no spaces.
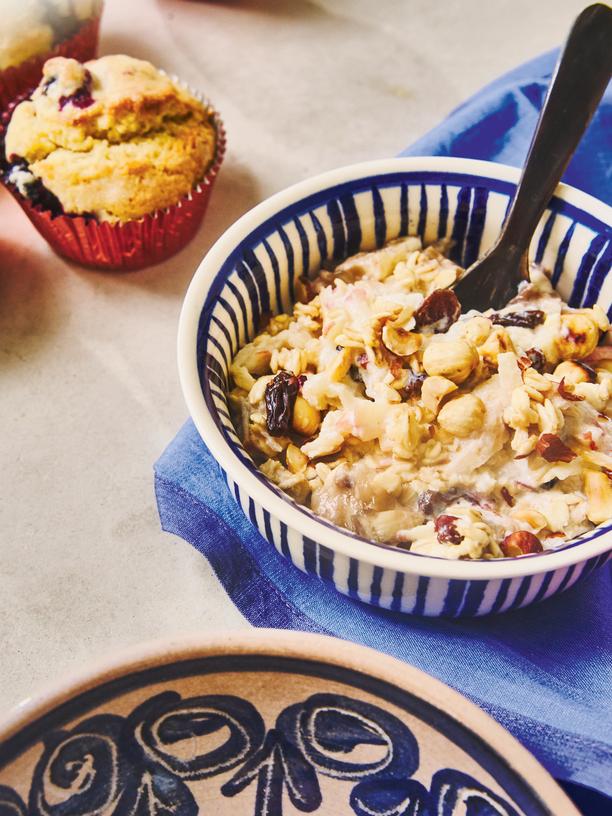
{"x":306,"y":646}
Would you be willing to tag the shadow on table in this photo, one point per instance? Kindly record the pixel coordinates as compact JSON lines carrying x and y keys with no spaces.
{"x":280,"y":8}
{"x":29,"y":311}
{"x":122,"y":42}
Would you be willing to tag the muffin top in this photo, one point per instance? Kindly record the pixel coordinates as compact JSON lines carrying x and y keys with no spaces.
{"x":114,"y":138}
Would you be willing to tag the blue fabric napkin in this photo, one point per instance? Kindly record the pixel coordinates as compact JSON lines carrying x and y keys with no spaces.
{"x":545,"y":673}
{"x":497,"y":124}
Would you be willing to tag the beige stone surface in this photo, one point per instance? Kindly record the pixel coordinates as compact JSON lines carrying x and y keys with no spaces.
{"x":89,"y":388}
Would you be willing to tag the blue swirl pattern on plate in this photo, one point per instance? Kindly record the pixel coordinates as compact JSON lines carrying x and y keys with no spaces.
{"x":153,"y":759}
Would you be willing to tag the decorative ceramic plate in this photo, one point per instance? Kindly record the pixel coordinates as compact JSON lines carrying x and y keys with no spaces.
{"x":265,"y":724}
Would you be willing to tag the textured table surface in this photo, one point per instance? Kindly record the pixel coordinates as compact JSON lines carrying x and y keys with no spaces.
{"x":89,"y":388}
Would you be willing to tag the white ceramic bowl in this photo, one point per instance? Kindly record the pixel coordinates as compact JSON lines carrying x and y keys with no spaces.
{"x":251,"y":270}
{"x":264,"y":724}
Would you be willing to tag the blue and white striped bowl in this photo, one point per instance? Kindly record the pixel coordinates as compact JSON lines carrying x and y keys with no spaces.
{"x":252,"y":269}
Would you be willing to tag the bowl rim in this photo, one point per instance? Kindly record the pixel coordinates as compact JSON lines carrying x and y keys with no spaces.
{"x":281,"y":508}
{"x":307,"y":646}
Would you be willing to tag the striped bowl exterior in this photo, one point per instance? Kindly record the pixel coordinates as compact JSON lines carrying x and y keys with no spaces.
{"x":251,"y":271}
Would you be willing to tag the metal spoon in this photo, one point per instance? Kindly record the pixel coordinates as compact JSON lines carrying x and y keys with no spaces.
{"x":580,"y":79}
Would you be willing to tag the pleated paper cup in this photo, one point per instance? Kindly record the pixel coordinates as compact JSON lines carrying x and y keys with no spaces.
{"x":129,"y":245}
{"x":23,"y":78}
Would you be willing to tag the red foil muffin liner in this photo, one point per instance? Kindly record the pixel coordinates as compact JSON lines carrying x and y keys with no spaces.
{"x":129,"y":245}
{"x":23,"y":78}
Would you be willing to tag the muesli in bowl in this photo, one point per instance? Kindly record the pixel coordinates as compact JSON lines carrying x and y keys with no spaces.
{"x":386,"y":411}
{"x":268,"y":260}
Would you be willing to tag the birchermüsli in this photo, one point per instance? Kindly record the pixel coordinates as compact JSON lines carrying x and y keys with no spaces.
{"x":383,"y":409}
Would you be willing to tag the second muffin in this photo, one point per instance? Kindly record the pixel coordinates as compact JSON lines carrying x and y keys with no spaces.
{"x":113,"y":138}
{"x":33,"y":31}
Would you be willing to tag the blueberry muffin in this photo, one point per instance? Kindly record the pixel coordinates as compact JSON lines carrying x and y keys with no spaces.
{"x":114,"y":139}
{"x":33,"y":27}
{"x":23,"y":34}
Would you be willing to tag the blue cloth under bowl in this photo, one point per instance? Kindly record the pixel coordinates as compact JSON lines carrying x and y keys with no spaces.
{"x":545,"y":672}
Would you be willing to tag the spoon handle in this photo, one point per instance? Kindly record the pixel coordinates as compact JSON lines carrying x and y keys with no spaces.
{"x":580,"y":79}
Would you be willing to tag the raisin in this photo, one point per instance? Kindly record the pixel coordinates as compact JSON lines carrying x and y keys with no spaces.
{"x":520,"y":543}
{"x":413,"y":385}
{"x":447,"y":531}
{"x":524,"y":320}
{"x":553,"y":449}
{"x":281,"y":393}
{"x":507,"y":496}
{"x":439,"y":311}
{"x":535,"y":358}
